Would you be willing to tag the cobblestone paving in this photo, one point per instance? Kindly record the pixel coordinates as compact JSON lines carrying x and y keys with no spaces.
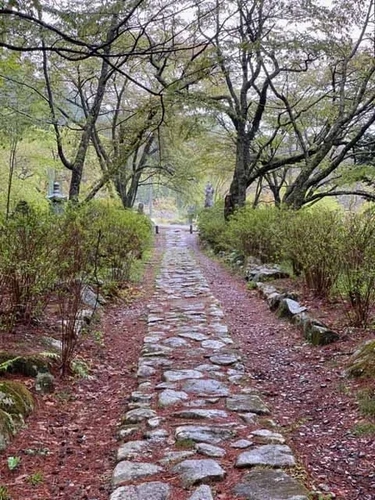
{"x":195,"y":426}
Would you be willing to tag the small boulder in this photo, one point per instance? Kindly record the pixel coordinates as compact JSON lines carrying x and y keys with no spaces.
{"x":318,"y":334}
{"x":45,"y":383}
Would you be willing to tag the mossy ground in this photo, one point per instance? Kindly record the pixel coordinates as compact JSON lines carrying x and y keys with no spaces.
{"x":16,"y":402}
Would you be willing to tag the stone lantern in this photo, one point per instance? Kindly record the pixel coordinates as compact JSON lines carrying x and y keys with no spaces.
{"x":57,"y":199}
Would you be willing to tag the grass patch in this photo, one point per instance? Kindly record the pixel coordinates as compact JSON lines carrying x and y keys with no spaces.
{"x":366,"y":402}
{"x":4,"y":494}
{"x":185,"y":444}
{"x":364,"y":429}
{"x":35,"y":479}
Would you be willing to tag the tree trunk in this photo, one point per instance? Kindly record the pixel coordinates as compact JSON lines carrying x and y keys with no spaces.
{"x":12,"y":166}
{"x":237,"y":191}
{"x":79,"y":161}
{"x":295,"y":196}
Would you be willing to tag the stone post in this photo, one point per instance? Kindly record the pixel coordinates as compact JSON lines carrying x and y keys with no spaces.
{"x":57,"y":199}
{"x":209,"y":195}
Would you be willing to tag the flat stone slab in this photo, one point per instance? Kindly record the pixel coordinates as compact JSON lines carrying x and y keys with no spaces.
{"x":247,"y":403}
{"x":269,"y":436}
{"x":139,"y":414}
{"x":170,"y":397}
{"x":156,"y":361}
{"x":249,"y":418}
{"x":241,"y":443}
{"x":289,"y":307}
{"x":156,"y":350}
{"x":141,"y":397}
{"x":206,"y":367}
{"x":131,"y":449}
{"x":199,"y":471}
{"x":175,"y":456}
{"x":210,"y":450}
{"x":268,"y":484}
{"x":206,"y":387}
{"x":175,"y":342}
{"x":131,"y":471}
{"x":156,"y":435}
{"x":193,"y":336}
{"x":154,"y":319}
{"x":212,"y":344}
{"x":205,"y":434}
{"x":202,"y":493}
{"x":145,"y":371}
{"x":198,"y":413}
{"x":177,"y":375}
{"x":272,"y":455}
{"x":220,"y":329}
{"x":145,"y":491}
{"x":224,"y":359}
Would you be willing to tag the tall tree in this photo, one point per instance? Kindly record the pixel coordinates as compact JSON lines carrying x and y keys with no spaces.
{"x":112,"y":35}
{"x":253,"y":50}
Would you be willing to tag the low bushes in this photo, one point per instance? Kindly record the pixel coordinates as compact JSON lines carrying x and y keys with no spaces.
{"x":44,"y":257}
{"x":212,"y":226}
{"x":333,"y":251}
{"x":312,"y":241}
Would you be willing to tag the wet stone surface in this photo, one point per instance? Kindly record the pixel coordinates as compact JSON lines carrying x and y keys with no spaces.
{"x":206,"y":387}
{"x":199,"y":471}
{"x":196,"y":412}
{"x":131,"y":471}
{"x":206,"y":434}
{"x":146,"y":491}
{"x":202,"y":493}
{"x":247,"y":403}
{"x":272,"y":455}
{"x":269,"y":485}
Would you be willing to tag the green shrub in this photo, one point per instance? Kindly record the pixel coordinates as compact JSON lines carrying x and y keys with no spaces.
{"x":256,"y":232}
{"x":313,"y":243}
{"x":211,"y":226}
{"x":122,"y":238}
{"x":357,"y":281}
{"x":27,"y":264}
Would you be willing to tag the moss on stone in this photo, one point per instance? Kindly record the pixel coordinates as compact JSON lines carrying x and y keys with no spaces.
{"x":29,"y":365}
{"x":16,"y":402}
{"x":23,"y":402}
{"x":7,"y":429}
{"x":362,"y":363}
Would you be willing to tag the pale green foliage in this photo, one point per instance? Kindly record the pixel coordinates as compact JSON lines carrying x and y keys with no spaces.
{"x":27,"y":267}
{"x":43,"y":256}
{"x":313,"y":243}
{"x":211,"y":226}
{"x":334,"y":252}
{"x":123,"y":237}
{"x":13,"y":462}
{"x":358,"y":269}
{"x":256,"y":232}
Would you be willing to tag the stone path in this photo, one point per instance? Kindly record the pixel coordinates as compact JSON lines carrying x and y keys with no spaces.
{"x":195,"y":425}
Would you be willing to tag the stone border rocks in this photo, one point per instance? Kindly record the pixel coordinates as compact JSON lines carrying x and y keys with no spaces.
{"x":286,"y":306}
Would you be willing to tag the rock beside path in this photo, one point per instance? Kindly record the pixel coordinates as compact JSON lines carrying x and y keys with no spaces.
{"x":269,"y":484}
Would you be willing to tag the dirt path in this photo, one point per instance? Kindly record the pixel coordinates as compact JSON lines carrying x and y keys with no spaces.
{"x":304,"y":385}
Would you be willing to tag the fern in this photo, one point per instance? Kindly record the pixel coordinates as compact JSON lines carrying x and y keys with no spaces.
{"x":5,"y":365}
{"x":50,"y":355}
